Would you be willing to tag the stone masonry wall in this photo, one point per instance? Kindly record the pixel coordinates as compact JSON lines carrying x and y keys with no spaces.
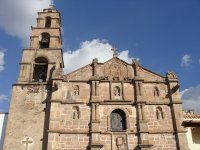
{"x":163,"y":141}
{"x":26,"y":118}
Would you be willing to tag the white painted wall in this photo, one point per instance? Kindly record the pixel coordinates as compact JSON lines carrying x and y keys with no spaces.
{"x":3,"y":121}
{"x":192,"y":142}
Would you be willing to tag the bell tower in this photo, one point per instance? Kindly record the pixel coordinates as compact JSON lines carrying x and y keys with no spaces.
{"x":45,"y":51}
{"x":28,"y":119}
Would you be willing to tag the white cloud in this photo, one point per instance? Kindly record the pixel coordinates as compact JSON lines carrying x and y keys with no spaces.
{"x":186,"y":60}
{"x":2,"y":60}
{"x":191,"y":98}
{"x":89,"y":50}
{"x":3,"y":98}
{"x":17,"y":16}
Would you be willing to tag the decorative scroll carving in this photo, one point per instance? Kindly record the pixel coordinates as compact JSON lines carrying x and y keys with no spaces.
{"x":116,"y":70}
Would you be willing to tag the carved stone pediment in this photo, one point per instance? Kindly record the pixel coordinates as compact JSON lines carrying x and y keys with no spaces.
{"x":116,"y":69}
{"x":113,"y":69}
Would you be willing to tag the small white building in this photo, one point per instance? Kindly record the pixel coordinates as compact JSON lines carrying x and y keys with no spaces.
{"x":3,"y":122}
{"x":192,"y":124}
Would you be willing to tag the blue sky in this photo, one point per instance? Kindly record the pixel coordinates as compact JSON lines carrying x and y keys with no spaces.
{"x":164,"y":35}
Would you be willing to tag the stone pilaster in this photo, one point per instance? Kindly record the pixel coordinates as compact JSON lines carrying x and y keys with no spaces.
{"x":95,"y":120}
{"x":176,"y":110}
{"x":143,"y":131}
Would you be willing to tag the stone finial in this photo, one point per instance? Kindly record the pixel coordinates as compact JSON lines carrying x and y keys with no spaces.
{"x":95,"y":60}
{"x":135,"y":61}
{"x":171,"y":75}
{"x":115,"y":52}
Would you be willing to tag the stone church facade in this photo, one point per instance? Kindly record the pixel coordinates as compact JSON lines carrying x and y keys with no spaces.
{"x":110,"y":105}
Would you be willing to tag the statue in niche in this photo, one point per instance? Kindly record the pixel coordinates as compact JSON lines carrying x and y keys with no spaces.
{"x":76,"y":90}
{"x":76,"y":113}
{"x":117,"y":91}
{"x":156,"y":91}
{"x":159,"y":113}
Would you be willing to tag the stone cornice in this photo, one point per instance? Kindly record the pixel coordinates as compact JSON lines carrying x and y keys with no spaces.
{"x":66,"y":102}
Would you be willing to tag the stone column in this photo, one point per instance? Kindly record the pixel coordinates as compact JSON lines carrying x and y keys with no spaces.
{"x":122,"y":90}
{"x":97,"y":112}
{"x":97,"y":88}
{"x":139,"y":112}
{"x":110,"y":90}
{"x":143,"y":112}
{"x":93,"y":112}
{"x":93,"y":88}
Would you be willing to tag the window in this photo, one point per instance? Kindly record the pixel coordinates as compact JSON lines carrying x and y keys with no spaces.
{"x":76,"y":113}
{"x":118,"y":120}
{"x":76,"y":90}
{"x":44,"y":40}
{"x":159,"y":113}
{"x":48,"y":22}
{"x":117,"y":91}
{"x":40,"y":69}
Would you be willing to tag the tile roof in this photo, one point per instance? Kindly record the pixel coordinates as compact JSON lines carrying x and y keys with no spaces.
{"x":191,"y":116}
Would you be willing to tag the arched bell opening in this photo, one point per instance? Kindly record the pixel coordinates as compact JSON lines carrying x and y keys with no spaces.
{"x":40,"y":69}
{"x":48,"y":22}
{"x":44,"y":40}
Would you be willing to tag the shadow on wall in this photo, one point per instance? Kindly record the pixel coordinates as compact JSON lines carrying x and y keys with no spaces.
{"x":3,"y":122}
{"x":196,"y":135}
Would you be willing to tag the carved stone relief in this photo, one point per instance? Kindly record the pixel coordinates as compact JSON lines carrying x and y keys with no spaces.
{"x":116,"y":70}
{"x":33,"y":89}
{"x":27,"y":142}
{"x":121,"y":143}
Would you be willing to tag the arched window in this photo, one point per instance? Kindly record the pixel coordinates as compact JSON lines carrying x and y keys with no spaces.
{"x":118,"y":120}
{"x":156,"y":91}
{"x":48,"y":22}
{"x":159,"y":113}
{"x":76,"y":90}
{"x":44,"y":40}
{"x":117,"y":91}
{"x":76,"y":113}
{"x":40,"y":69}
